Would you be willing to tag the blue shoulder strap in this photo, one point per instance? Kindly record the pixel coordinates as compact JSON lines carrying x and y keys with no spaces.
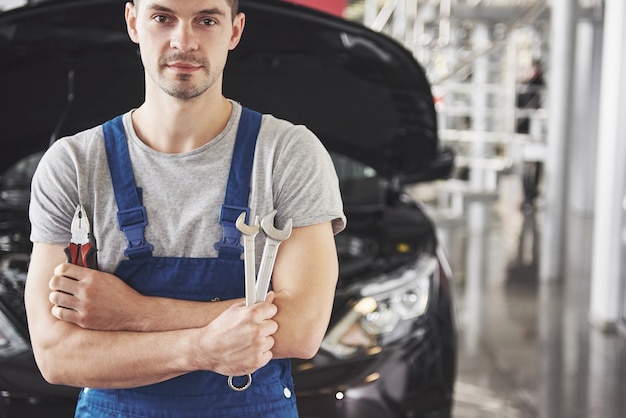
{"x":132,"y":217}
{"x":238,"y":187}
{"x":131,"y":214}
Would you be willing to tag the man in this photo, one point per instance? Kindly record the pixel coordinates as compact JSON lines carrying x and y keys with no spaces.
{"x":159,"y":328}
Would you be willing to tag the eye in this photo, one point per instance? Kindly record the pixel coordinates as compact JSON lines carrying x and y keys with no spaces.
{"x":207,"y":22}
{"x":160,"y":18}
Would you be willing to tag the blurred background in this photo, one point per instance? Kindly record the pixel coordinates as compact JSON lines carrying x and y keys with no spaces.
{"x":529,"y":95}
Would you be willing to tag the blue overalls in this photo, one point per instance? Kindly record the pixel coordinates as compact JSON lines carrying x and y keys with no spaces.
{"x":201,"y":393}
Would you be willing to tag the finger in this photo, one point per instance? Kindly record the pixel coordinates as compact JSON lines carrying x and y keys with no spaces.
{"x":62,"y":299}
{"x":254,"y":360}
{"x":71,"y":271}
{"x":265,"y":310}
{"x":268,"y":344}
{"x":266,"y":357}
{"x":63,"y":284}
{"x":64,"y":314}
{"x":271,"y":326}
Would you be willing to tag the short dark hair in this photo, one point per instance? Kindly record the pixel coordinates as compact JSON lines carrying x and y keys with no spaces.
{"x":234,"y":6}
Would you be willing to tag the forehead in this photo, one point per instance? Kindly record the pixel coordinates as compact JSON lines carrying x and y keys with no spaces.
{"x":187,"y":6}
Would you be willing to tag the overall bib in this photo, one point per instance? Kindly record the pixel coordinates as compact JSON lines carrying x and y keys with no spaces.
{"x":201,"y":393}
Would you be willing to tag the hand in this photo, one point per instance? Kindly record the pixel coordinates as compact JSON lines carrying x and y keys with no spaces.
{"x":92,"y":299}
{"x":239,"y":341}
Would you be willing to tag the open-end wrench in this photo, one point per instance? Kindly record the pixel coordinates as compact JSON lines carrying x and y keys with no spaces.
{"x":273,"y":240}
{"x":249,"y":233}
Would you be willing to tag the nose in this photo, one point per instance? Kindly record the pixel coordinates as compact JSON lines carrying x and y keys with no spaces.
{"x":184,"y":38}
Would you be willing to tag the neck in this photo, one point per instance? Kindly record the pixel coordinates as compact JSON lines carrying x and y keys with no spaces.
{"x":171,"y":125}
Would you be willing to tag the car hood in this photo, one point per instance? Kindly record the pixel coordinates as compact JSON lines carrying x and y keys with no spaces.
{"x":71,"y":66}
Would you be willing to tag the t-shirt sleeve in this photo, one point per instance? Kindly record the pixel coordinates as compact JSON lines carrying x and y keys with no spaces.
{"x":307,"y":187}
{"x":53,"y":197}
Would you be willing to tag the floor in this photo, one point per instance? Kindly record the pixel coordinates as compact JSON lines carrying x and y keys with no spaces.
{"x":526,"y":347}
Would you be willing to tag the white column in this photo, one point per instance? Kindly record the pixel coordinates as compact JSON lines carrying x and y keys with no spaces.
{"x":559,"y":107}
{"x":480,"y":118}
{"x":608,"y":264}
{"x":582,"y":169}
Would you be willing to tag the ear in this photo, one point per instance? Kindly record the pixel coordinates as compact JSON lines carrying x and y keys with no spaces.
{"x":239,"y":22}
{"x":130,"y":15}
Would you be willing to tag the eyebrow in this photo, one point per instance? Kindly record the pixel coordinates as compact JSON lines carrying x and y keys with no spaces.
{"x":159,"y":8}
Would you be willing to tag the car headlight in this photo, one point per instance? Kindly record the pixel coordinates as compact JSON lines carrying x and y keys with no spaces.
{"x":385,"y":310}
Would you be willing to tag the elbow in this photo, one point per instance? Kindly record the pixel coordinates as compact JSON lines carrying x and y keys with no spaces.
{"x":51,"y":371}
{"x":306,"y":345}
{"x":53,"y":378}
{"x":308,"y":352}
{"x":52,"y":367}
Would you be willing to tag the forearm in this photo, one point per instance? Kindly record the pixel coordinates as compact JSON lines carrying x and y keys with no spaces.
{"x":236,"y":343}
{"x":73,"y":356}
{"x":156,"y":314}
{"x":101,"y":301}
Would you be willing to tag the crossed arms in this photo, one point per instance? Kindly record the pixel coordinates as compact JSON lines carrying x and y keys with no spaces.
{"x":89,"y":329}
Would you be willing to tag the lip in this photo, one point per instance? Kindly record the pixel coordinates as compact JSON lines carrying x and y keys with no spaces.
{"x":184,"y":67}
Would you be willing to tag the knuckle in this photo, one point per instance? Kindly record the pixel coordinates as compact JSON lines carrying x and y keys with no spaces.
{"x":55,"y":311}
{"x":61,"y":269}
{"x":59,"y":313}
{"x":53,"y":284}
{"x":81,"y":319}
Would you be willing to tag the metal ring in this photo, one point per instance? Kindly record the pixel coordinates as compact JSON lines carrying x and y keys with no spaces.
{"x":240,"y":388}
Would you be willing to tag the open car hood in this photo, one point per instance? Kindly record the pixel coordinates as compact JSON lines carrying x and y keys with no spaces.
{"x":69,"y":65}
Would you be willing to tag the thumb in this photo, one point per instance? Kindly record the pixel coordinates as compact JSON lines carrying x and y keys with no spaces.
{"x":270,"y":297}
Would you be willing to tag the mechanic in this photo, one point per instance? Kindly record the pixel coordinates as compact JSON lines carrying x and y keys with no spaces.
{"x":162,"y":323}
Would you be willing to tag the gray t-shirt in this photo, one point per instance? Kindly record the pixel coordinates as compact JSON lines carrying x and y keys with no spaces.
{"x":183,"y":192}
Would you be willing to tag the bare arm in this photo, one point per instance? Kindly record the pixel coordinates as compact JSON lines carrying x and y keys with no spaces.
{"x":304,"y":280}
{"x":236,"y":342}
{"x":100,"y":301}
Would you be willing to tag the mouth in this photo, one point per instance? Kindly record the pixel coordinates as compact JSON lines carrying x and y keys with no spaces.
{"x":184,"y":67}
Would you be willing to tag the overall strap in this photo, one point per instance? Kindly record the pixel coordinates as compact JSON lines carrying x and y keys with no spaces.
{"x":238,"y":186}
{"x":131,"y":215}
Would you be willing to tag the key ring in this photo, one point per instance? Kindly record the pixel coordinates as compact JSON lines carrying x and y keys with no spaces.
{"x":240,"y":388}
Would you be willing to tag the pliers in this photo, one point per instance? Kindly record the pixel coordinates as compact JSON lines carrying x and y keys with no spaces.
{"x":80,"y":251}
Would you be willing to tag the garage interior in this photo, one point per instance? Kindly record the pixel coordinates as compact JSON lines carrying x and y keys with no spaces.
{"x":528,"y":94}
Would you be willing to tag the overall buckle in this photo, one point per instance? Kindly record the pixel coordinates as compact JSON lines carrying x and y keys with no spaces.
{"x":133,"y":223}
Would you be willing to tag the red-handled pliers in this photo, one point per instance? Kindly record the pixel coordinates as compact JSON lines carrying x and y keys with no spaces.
{"x":80,"y":250}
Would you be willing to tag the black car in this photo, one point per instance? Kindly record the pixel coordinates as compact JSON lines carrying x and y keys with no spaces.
{"x":390,"y":350}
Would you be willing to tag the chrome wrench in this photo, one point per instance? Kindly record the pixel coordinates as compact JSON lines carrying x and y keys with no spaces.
{"x":274,"y":238}
{"x":249,"y":232}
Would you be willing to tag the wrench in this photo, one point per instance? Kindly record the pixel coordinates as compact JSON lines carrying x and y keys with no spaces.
{"x":249,"y":233}
{"x":273,"y":240}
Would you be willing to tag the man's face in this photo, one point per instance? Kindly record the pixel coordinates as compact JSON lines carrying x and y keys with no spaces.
{"x":184,"y":43}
